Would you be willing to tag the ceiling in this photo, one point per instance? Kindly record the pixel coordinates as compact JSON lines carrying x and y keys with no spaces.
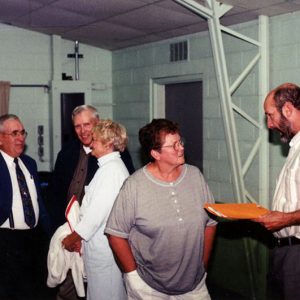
{"x":116,"y":24}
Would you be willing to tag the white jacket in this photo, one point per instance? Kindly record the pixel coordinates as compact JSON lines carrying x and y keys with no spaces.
{"x":60,"y":260}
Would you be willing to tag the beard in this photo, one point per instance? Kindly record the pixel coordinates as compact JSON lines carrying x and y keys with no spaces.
{"x":285,"y":130}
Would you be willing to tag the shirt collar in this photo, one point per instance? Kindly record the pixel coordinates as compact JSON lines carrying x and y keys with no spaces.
{"x":8,"y":159}
{"x":295,"y":140}
{"x":86,"y":149}
{"x":107,"y":157}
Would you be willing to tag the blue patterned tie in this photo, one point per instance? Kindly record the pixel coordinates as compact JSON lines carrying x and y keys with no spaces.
{"x":26,"y":199}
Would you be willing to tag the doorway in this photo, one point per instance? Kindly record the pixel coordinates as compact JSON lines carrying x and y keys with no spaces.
{"x":183,"y":104}
{"x":68,"y":102}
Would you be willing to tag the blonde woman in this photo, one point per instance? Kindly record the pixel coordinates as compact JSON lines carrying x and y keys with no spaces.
{"x":104,"y":278}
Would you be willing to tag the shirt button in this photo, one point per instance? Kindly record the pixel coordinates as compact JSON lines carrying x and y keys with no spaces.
{"x":173,"y":193}
{"x":180,"y":219}
{"x":178,"y":210}
{"x":175,"y":201}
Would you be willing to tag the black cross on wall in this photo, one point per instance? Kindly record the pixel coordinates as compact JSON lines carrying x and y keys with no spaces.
{"x":76,"y":55}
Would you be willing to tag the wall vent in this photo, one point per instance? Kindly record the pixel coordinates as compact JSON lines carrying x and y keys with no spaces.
{"x":179,"y":51}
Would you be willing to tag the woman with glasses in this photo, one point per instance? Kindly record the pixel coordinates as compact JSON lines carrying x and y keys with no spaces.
{"x":158,"y":229}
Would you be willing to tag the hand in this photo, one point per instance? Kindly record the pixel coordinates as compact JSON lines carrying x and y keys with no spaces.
{"x":72,"y":242}
{"x":273,"y":221}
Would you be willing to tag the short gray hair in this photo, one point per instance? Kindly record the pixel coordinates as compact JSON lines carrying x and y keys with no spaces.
{"x":79,"y":109}
{"x":6,"y":117}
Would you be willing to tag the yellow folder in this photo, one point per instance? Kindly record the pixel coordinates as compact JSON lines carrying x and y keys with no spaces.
{"x":236,"y":210}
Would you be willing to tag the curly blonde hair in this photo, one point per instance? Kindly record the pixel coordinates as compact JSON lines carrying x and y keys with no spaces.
{"x":110,"y":132}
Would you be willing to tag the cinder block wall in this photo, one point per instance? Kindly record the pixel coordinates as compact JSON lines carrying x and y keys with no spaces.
{"x":285,"y":67}
{"x":133,"y":69}
{"x":26,"y":58}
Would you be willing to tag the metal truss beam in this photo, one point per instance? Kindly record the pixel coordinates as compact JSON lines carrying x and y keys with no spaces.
{"x":212,"y":11}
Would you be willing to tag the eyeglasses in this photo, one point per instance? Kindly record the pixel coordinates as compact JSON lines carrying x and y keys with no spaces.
{"x":175,"y":146}
{"x":16,"y":133}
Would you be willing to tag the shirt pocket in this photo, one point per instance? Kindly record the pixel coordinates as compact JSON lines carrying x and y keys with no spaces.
{"x":292,"y":187}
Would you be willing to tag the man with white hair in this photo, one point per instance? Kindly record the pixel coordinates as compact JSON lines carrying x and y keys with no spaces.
{"x":74,"y":169}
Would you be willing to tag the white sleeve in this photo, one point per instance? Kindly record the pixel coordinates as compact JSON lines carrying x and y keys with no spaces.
{"x":99,"y":199}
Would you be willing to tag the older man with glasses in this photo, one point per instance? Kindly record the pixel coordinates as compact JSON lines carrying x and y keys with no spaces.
{"x":21,"y":209}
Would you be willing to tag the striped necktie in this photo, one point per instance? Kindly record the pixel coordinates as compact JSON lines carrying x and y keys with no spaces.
{"x":25,"y":195}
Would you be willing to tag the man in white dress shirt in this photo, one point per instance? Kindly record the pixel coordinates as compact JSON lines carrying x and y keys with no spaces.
{"x":21,"y":209}
{"x":282,"y":109}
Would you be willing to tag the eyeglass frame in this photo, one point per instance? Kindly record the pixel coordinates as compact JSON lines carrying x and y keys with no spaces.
{"x":17,"y":133}
{"x":175,"y":145}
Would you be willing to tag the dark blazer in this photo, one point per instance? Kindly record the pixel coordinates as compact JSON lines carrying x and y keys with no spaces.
{"x":64,"y":169}
{"x":6,"y":192}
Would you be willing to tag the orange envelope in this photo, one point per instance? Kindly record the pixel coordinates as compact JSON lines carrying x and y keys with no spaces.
{"x":236,"y":210}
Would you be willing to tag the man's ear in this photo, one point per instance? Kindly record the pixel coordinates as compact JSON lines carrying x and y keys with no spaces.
{"x":287,"y":109}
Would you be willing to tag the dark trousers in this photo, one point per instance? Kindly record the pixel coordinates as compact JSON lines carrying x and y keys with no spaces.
{"x":284,"y":274}
{"x":18,"y":252}
{"x":67,"y":290}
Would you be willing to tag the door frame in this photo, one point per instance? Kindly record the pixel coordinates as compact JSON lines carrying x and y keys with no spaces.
{"x":58,"y":87}
{"x":157,"y":91}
